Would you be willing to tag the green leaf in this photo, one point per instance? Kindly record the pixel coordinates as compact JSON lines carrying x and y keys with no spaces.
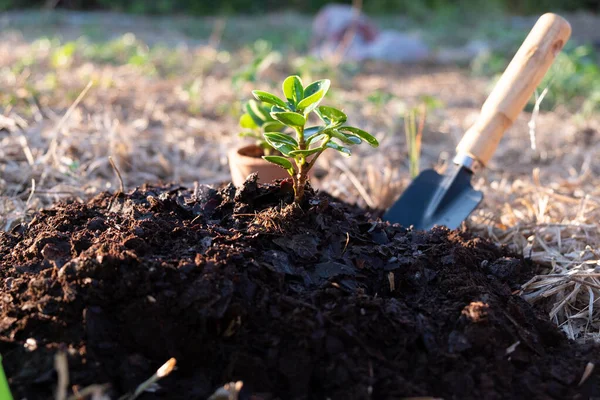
{"x":280,"y":138}
{"x":348,"y":139}
{"x":367,"y":137}
{"x":331,"y":116}
{"x":283,"y":148}
{"x":269,"y":98}
{"x":345,"y":151}
{"x":353,"y":139}
{"x":281,"y":161}
{"x":277,"y":109}
{"x":292,"y":89}
{"x":305,"y":153}
{"x":313,"y":94}
{"x":283,"y":145}
{"x":316,"y":138}
{"x":312,"y":131}
{"x":247,"y":122}
{"x":289,"y":118}
{"x":273,"y":126}
{"x":258,"y":113}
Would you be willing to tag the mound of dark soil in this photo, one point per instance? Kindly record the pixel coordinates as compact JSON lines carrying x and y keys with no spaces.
{"x":312,"y":303}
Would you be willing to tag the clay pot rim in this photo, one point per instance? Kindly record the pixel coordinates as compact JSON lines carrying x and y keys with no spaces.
{"x":239,"y":149}
{"x":234,"y":154}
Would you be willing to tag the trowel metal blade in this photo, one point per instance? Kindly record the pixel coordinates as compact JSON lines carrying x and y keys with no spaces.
{"x":433,"y":199}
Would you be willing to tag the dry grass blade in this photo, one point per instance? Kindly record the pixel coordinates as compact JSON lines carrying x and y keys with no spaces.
{"x":56,"y":132}
{"x":31,"y":193}
{"x":229,"y":391}
{"x":26,"y":150}
{"x":511,"y":349}
{"x":560,"y":231}
{"x":356,"y":182}
{"x":534,"y":115}
{"x":117,"y":173}
{"x":150,"y":383}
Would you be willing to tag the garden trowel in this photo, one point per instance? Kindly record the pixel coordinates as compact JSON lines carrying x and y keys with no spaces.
{"x":448,"y":199}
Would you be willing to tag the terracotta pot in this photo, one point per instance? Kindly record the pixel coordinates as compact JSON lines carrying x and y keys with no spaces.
{"x":246,"y":160}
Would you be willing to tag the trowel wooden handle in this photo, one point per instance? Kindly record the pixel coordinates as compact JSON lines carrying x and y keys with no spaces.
{"x":515,"y":87}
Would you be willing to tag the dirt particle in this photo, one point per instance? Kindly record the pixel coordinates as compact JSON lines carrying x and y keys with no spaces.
{"x":96,"y":224}
{"x":54,"y":251}
{"x":476,"y":311}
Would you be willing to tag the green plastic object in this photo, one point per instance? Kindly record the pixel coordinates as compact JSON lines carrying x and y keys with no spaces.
{"x":4,"y":389}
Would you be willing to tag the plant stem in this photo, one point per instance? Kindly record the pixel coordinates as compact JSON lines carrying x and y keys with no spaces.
{"x":300,"y":134}
{"x":300,"y":179}
{"x":299,"y":183}
{"x":295,"y":183}
{"x":303,"y":175}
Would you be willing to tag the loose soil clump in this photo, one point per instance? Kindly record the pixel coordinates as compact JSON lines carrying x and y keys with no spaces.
{"x":312,"y":302}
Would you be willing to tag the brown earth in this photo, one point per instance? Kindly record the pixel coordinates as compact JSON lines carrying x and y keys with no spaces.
{"x":300,"y":303}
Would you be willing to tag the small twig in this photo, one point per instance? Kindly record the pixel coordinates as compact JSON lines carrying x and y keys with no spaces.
{"x":196,"y":192}
{"x":347,"y":241}
{"x":121,"y":186}
{"x":584,"y":282}
{"x":391,"y":281}
{"x":62,"y":369}
{"x":589,"y":368}
{"x":118,"y":173}
{"x":196,"y":218}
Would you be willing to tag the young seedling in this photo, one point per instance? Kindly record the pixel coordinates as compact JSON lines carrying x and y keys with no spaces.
{"x":309,"y":143}
{"x":413,"y":137}
{"x":256,"y":121}
{"x":414,"y":133}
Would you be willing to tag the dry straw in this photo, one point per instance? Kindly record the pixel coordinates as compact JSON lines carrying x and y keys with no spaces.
{"x":556,"y":226}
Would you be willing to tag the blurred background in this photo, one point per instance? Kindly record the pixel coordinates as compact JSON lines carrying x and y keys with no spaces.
{"x":198,"y":7}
